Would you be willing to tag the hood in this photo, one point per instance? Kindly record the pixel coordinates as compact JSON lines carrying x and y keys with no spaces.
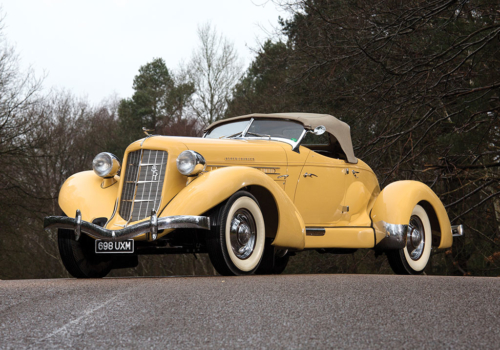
{"x":227,"y":152}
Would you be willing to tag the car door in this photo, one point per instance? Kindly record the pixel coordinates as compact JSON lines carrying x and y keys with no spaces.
{"x":319,"y":196}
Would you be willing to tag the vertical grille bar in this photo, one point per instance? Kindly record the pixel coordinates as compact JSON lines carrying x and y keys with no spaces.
{"x":143,"y":185}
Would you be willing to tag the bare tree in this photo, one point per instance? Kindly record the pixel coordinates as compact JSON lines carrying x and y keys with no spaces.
{"x":215,"y":69}
{"x":18,"y":93}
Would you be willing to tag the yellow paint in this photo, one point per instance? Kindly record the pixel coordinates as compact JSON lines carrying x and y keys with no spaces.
{"x":343,"y":237}
{"x":319,"y":197}
{"x":83,"y":191}
{"x":295,"y":163}
{"x":362,"y":189}
{"x":396,"y":202}
{"x":212,"y":188}
{"x":302,"y":201}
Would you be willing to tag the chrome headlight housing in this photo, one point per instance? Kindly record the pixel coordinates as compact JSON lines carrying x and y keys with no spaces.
{"x":190,"y":163}
{"x":106,"y":165}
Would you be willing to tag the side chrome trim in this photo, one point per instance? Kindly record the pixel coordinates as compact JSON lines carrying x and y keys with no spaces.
{"x":114,"y":213}
{"x":395,"y":235}
{"x":457,"y":230}
{"x":315,"y":231}
{"x":152,"y":226}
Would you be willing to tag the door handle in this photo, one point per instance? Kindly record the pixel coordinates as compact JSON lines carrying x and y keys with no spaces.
{"x":283,"y":176}
{"x":310,"y":175}
{"x":355,"y":173}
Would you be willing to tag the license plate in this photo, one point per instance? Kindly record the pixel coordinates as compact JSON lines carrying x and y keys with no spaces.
{"x":106,"y":247}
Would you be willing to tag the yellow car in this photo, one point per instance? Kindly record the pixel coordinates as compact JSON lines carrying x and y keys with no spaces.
{"x":253,"y":190}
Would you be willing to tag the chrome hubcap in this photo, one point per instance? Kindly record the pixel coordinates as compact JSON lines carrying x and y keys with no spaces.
{"x":415,"y":242}
{"x":242,"y":233}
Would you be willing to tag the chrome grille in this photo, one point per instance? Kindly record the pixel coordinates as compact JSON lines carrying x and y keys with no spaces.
{"x":144,"y":177}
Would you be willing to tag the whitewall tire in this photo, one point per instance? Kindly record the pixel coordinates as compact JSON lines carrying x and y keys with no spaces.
{"x":413,"y":258}
{"x":236,"y":244}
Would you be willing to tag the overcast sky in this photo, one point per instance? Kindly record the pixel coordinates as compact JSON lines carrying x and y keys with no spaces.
{"x":94,"y":48}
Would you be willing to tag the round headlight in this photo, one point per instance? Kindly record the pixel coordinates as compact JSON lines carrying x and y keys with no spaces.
{"x":106,"y":165}
{"x":190,"y":163}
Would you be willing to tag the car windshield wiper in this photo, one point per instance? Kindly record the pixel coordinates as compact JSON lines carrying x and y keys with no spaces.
{"x":229,"y":136}
{"x":258,"y":135}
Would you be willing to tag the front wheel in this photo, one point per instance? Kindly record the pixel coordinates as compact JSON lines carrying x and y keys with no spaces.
{"x":236,"y":244}
{"x":78,"y":257}
{"x":413,"y":258}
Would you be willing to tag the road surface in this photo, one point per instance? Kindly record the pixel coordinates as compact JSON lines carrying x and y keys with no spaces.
{"x":289,"y":311}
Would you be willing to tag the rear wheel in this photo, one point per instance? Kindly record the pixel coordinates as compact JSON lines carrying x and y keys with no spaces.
{"x":413,"y":258}
{"x":79,"y":258}
{"x":236,"y":244}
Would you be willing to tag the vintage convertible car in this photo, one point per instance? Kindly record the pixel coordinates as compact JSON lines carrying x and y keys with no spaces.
{"x":252,"y":191}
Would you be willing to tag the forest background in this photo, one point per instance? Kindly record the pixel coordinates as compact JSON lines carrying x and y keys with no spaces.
{"x":417,"y":81}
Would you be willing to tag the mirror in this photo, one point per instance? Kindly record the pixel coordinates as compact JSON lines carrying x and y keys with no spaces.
{"x":319,"y":130}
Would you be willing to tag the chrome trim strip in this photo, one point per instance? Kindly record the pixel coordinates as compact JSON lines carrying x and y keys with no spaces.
{"x":140,"y":182}
{"x":295,"y":147}
{"x":235,"y":164}
{"x":395,"y":235}
{"x":153,"y":225}
{"x":244,"y":132}
{"x":114,"y":213}
{"x":147,"y":137}
{"x":457,"y":230}
{"x":315,"y":231}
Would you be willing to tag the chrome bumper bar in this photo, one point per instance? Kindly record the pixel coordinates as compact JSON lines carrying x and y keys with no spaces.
{"x":150,"y":227}
{"x":394,"y":235}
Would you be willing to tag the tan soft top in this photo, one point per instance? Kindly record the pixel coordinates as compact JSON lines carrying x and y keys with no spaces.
{"x":340,"y":130}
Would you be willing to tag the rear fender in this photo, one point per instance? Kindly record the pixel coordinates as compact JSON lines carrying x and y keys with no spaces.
{"x":83,"y":191}
{"x":214,"y":187}
{"x":395,"y":205}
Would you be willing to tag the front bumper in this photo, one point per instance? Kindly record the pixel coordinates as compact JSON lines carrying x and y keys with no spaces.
{"x":150,"y":228}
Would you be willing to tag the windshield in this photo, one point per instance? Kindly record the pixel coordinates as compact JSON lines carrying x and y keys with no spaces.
{"x":227,"y":130}
{"x":259,"y":128}
{"x":284,"y":129}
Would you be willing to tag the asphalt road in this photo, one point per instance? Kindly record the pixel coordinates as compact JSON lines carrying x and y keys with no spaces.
{"x":290,"y":311}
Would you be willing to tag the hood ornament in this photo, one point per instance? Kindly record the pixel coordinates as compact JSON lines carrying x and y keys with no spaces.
{"x":147,"y":131}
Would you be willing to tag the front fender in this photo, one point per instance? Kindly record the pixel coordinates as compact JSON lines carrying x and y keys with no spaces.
{"x":214,"y":187}
{"x":83,"y":191}
{"x":395,"y":204}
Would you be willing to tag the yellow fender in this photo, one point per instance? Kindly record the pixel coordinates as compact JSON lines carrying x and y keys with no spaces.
{"x":396,"y":202}
{"x":83,"y":191}
{"x":214,"y":187}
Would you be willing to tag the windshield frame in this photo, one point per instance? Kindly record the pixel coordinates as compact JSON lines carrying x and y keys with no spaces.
{"x":244,"y":136}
